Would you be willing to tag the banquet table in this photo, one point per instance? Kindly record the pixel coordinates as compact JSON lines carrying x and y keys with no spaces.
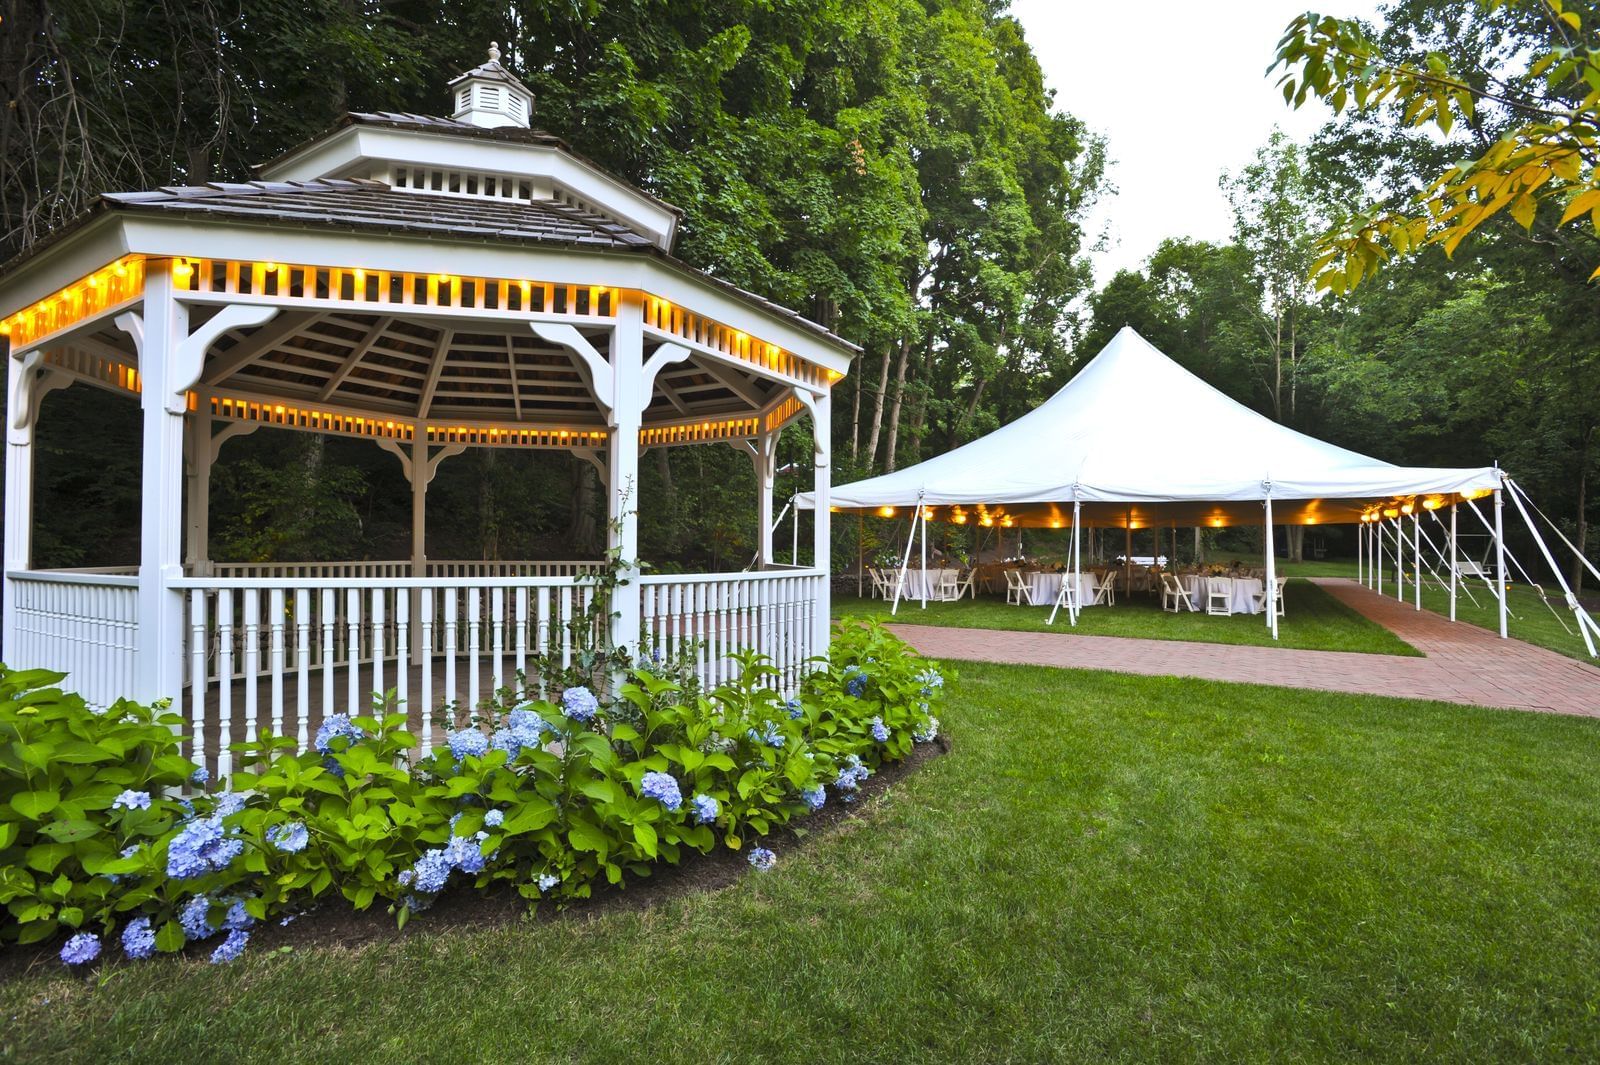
{"x":919,"y":581}
{"x":1046,"y":586}
{"x":1242,"y":593}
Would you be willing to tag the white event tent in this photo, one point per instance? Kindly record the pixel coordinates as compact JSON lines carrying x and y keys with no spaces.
{"x":1136,"y":441}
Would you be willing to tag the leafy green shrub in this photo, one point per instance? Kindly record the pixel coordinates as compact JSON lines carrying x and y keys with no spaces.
{"x":550,"y":797}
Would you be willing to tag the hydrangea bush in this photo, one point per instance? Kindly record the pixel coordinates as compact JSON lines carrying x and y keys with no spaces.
{"x":551,"y":796}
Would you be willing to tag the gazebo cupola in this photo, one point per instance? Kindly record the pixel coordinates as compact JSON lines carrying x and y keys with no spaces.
{"x":488,"y":96}
{"x":430,"y":284}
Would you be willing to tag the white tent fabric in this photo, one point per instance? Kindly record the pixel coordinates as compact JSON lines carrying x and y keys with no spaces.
{"x":1135,"y":427}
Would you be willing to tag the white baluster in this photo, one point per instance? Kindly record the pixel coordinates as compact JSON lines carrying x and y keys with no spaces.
{"x":275,"y":656}
{"x":326,"y":620}
{"x":378,"y":642}
{"x":450,"y":645}
{"x":402,"y":648}
{"x":474,"y":646}
{"x":428,"y":701}
{"x":542,"y":637}
{"x":224,"y":683}
{"x":302,"y":663}
{"x":352,"y":651}
{"x":522,"y":635}
{"x":252,"y":661}
{"x":198,"y":639}
{"x":497,"y":617}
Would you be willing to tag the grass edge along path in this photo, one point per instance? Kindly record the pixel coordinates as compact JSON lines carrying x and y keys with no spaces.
{"x":1103,"y":867}
{"x":1315,"y":621}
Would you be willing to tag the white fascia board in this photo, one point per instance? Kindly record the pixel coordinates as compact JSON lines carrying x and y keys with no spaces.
{"x":353,"y":148}
{"x":101,"y":241}
{"x":149,"y":234}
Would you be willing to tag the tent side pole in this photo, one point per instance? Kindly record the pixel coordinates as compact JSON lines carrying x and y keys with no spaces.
{"x":1127,"y":556}
{"x":1453,"y":566}
{"x":861,"y":549}
{"x":923,"y":517}
{"x":1500,"y":557}
{"x":1416,"y":556}
{"x":1077,"y":559}
{"x":1578,"y":612}
{"x":1272,"y":572}
{"x":905,"y":562}
{"x":1399,"y":561}
{"x":1360,"y":530}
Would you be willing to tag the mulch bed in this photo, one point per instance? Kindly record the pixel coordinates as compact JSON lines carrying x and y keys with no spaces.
{"x":334,"y":923}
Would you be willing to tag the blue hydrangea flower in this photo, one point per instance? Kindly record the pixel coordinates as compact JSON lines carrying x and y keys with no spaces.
{"x":880,"y":731}
{"x":768,"y":735}
{"x":763,"y":859}
{"x":463,"y":853}
{"x":930,"y":680}
{"x":926,"y":733}
{"x":202,"y":776}
{"x":431,"y":872}
{"x":195,"y":918}
{"x":228,"y":804}
{"x":505,"y":739}
{"x":548,"y":881}
{"x":663,"y":788}
{"x":231,"y":947}
{"x":138,"y":941}
{"x":81,"y":949}
{"x":796,"y":710}
{"x":579,"y":703}
{"x":851,"y":774}
{"x":706,"y":809}
{"x":527,"y":726}
{"x":467,"y":741}
{"x":203,"y":846}
{"x":290,"y":837}
{"x":334,"y":727}
{"x":494,"y":818}
{"x":814,"y":797}
{"x":237,"y":918}
{"x":855,"y":684}
{"x":131,"y":800}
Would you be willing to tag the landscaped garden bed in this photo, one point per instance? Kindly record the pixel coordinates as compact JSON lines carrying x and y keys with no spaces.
{"x":534,"y":803}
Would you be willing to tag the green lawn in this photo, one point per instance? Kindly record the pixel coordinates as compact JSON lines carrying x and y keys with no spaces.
{"x":1314,"y":620}
{"x":1104,"y":868}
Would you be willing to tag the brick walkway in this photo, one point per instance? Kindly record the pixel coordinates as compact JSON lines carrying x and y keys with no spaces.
{"x":1464,"y":664}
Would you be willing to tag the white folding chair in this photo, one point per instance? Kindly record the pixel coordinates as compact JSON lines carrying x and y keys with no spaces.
{"x":1260,"y":598}
{"x":1219,"y":596}
{"x":1017,"y":590}
{"x":1172,"y":591}
{"x":1105,"y":593}
{"x":878,"y":583}
{"x":964,"y":585}
{"x":949,"y":585}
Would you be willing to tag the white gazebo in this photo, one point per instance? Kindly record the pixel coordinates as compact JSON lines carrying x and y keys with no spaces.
{"x":431,"y":284}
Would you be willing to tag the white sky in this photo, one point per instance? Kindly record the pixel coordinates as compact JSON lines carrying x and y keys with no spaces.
{"x":1177,"y":89}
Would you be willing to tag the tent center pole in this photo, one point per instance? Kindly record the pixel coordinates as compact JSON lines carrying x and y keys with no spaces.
{"x":1500,"y":557}
{"x":1272,"y":572}
{"x":1453,"y":567}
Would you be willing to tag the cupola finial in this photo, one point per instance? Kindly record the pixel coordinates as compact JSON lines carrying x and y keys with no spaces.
{"x":494,"y":51}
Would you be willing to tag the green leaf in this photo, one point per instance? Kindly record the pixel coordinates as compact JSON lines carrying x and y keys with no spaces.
{"x":35,"y":804}
{"x":645,"y":836}
{"x":170,"y":938}
{"x":586,"y":837}
{"x":73,"y":831}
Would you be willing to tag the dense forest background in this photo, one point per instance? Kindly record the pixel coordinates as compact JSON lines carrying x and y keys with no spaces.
{"x":894,"y":168}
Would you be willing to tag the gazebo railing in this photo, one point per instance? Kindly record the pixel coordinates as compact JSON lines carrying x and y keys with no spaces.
{"x":710,"y":616}
{"x":375,"y":570}
{"x":85,"y":624}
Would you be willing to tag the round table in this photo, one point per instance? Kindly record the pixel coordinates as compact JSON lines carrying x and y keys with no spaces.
{"x":919,"y":581}
{"x":1045,"y":587}
{"x":1242,"y":593}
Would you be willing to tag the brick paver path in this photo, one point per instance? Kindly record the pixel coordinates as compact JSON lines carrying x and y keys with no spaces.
{"x":1464,"y":664}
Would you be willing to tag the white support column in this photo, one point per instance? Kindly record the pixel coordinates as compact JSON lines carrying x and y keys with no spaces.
{"x":766,"y":461}
{"x":628,"y":401}
{"x":159,"y":333}
{"x":1455,"y":567}
{"x":924,"y":581}
{"x":1500,"y":558}
{"x":197,"y":510}
{"x":419,"y":474}
{"x":1272,"y":570}
{"x":821,"y":530}
{"x":1361,"y":532}
{"x":1580,"y":615}
{"x":19,"y":492}
{"x":1377,"y":546}
{"x":1399,"y":560}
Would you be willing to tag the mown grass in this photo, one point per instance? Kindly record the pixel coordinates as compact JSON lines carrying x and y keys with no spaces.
{"x":1314,"y":620}
{"x":1104,"y":868}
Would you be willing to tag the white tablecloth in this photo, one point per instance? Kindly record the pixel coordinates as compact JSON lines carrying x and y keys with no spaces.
{"x":1241,"y":593}
{"x":1046,"y":586}
{"x":919,"y":579}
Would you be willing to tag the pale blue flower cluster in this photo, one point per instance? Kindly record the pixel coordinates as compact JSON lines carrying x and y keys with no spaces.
{"x":81,"y":949}
{"x":203,"y":846}
{"x":851,"y":774}
{"x":467,"y":741}
{"x":855,"y":684}
{"x":814,"y":797}
{"x":880,"y":731}
{"x":200,"y":777}
{"x":228,"y":804}
{"x":768,"y":735}
{"x":127,"y":852}
{"x":463,"y":853}
{"x":579,"y":703}
{"x":548,"y":881}
{"x":663,"y":788}
{"x":138,"y":941}
{"x":931,"y":681}
{"x":926,"y":733}
{"x":195,"y":918}
{"x":290,"y":837}
{"x":236,"y":918}
{"x":706,"y":809}
{"x":131,"y":800}
{"x":494,"y":818}
{"x":523,"y":728}
{"x":762,"y":859}
{"x":334,"y":727}
{"x":432,"y":871}
{"x":231,"y":947}
{"x":796,"y":710}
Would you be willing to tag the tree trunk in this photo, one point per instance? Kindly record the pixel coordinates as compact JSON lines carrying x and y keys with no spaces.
{"x":877,"y":410}
{"x":581,"y":528}
{"x":894,"y":411}
{"x":855,"y":424}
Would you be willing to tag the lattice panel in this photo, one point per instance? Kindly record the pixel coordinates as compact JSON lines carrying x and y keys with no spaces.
{"x":111,"y":285}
